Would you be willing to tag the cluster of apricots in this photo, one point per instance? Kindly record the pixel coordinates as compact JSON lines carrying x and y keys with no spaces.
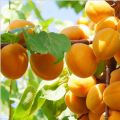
{"x":86,"y":97}
{"x":14,"y":58}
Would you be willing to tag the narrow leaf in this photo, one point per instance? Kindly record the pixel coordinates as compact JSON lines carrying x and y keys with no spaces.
{"x":25,"y":103}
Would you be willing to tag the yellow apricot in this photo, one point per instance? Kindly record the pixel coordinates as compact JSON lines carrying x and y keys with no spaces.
{"x":75,"y":104}
{"x":84,"y":117}
{"x":111,"y":96}
{"x":44,"y":66}
{"x":93,"y":116}
{"x":113,"y":115}
{"x":91,"y":25}
{"x":106,"y":43}
{"x":108,"y":22}
{"x":76,"y":60}
{"x":97,"y":10}
{"x":115,"y":76}
{"x":20,"y":24}
{"x":82,"y":20}
{"x":14,"y":61}
{"x":117,"y":57}
{"x":118,"y":26}
{"x":94,"y":99}
{"x":75,"y":32}
{"x":81,"y":86}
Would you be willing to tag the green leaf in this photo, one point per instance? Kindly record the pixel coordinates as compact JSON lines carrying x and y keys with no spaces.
{"x":53,"y":108}
{"x":4,"y":95}
{"x":32,"y":78}
{"x":48,"y":110}
{"x":9,"y":38}
{"x":25,"y":103}
{"x":100,"y":68}
{"x":26,"y":9}
{"x":77,"y":5}
{"x":38,"y":102}
{"x":63,"y":3}
{"x":66,"y":114}
{"x":45,"y":24}
{"x":54,"y":94}
{"x":44,"y":43}
{"x":35,"y":9}
{"x":20,"y":14}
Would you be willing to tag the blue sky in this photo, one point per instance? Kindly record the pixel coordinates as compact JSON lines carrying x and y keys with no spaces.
{"x":50,"y":9}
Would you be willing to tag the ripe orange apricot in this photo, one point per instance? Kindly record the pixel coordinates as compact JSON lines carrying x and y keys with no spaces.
{"x":115,"y":76}
{"x":97,"y":10}
{"x":94,"y":99}
{"x":84,"y":117}
{"x":81,"y":86}
{"x":117,"y":57}
{"x":106,"y":43}
{"x":44,"y":66}
{"x":108,"y":22}
{"x":75,"y":32}
{"x":93,"y":116}
{"x":75,"y":104}
{"x":113,"y":115}
{"x":111,"y":96}
{"x":14,"y":61}
{"x":118,"y":26}
{"x":20,"y":24}
{"x":76,"y":60}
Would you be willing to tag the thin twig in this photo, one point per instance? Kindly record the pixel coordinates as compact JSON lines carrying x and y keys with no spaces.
{"x":10,"y":107}
{"x":84,"y":41}
{"x":107,"y":83}
{"x":72,"y":42}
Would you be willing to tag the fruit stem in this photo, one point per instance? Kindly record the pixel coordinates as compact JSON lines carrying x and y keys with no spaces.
{"x":10,"y":107}
{"x":107,"y":83}
{"x":84,"y":41}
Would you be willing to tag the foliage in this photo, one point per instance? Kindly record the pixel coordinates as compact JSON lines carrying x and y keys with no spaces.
{"x":77,"y":5}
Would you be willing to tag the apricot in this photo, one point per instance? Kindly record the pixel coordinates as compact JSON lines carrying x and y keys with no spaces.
{"x":91,"y":25}
{"x":0,"y":60}
{"x":118,"y":26}
{"x":44,"y":66}
{"x":14,"y":61}
{"x":97,"y":10}
{"x":106,"y":43}
{"x":84,"y":117}
{"x":81,"y":86}
{"x":117,"y":57}
{"x":113,"y":115}
{"x":93,"y":116}
{"x":76,"y":60}
{"x":75,"y":32}
{"x":111,"y":96}
{"x":75,"y":104}
{"x":82,"y":20}
{"x":20,"y":24}
{"x":115,"y":76}
{"x":94,"y":99}
{"x":108,"y":22}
